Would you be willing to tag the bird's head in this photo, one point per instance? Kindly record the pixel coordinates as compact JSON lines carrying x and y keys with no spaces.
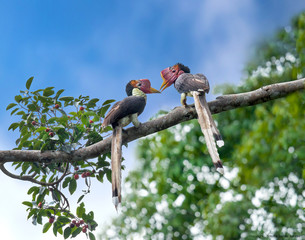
{"x":142,"y":84}
{"x":170,"y":74}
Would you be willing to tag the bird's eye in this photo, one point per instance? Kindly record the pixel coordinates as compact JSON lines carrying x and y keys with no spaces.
{"x":139,"y":84}
{"x":173,"y":70}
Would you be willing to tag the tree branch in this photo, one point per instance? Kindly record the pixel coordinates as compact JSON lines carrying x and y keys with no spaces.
{"x":31,"y":178}
{"x":176,"y":116}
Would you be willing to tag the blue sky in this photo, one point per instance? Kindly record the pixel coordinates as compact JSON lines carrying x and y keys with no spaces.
{"x":95,"y":47}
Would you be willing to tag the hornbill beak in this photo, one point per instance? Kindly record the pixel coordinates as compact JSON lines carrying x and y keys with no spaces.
{"x":169,"y":76}
{"x":144,"y":85}
{"x":164,"y":84}
{"x":152,"y":90}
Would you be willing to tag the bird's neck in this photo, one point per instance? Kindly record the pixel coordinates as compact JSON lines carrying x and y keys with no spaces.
{"x":137,"y":92}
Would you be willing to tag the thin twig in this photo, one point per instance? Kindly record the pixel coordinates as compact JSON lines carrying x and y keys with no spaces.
{"x":31,"y":178}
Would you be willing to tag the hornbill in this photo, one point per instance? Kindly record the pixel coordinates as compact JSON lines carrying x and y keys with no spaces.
{"x":119,"y":116}
{"x":196,"y":85}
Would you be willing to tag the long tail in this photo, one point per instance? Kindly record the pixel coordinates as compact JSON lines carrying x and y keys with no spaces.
{"x":209,"y":129}
{"x":116,"y":157}
{"x":216,"y":133}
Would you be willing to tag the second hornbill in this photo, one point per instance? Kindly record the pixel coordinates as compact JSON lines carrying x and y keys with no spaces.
{"x":196,"y":85}
{"x":120,"y":115}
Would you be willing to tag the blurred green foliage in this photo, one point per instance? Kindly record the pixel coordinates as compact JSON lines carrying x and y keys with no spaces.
{"x":176,"y":194}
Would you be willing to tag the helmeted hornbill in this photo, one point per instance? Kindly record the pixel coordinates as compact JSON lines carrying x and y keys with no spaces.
{"x":119,"y":116}
{"x":196,"y":85}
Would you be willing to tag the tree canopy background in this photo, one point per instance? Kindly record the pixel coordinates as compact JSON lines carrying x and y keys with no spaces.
{"x":176,"y":194}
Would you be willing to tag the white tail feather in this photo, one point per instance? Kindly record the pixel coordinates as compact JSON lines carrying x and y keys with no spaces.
{"x":206,"y":125}
{"x":220,"y":143}
{"x":116,"y":202}
{"x":220,"y":170}
{"x":116,"y":157}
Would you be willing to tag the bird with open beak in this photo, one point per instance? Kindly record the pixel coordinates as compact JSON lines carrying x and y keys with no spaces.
{"x":120,"y":115}
{"x":196,"y":85}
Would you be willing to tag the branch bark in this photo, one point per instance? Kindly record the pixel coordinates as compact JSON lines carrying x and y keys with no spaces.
{"x":176,"y":116}
{"x":31,"y":178}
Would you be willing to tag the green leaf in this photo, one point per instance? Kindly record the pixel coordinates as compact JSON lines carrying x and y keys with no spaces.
{"x":29,"y":83}
{"x":76,"y":232}
{"x":18,"y":98}
{"x":48,"y":91}
{"x":72,"y":186}
{"x":56,"y":225}
{"x":66,"y":182}
{"x":92,"y":225}
{"x":11,"y":105}
{"x":32,"y":107}
{"x":91,"y":215}
{"x":13,"y":126}
{"x":80,"y":210}
{"x":52,"y":120}
{"x":63,"y":219}
{"x":46,"y":100}
{"x":58,"y":93}
{"x":44,"y":147}
{"x":32,"y":212}
{"x":100,"y":176}
{"x":108,"y":174}
{"x":103,"y":110}
{"x":108,"y":102}
{"x":46,"y":227}
{"x":60,"y":229}
{"x":21,"y":113}
{"x":33,"y":189}
{"x":40,"y":129}
{"x":37,"y":145}
{"x":37,"y":91}
{"x":66,"y":99}
{"x":25,"y":138}
{"x":67,"y":232}
{"x":15,"y":110}
{"x":39,"y":218}
{"x":29,"y":204}
{"x":85,"y":120}
{"x":80,"y":198}
{"x":91,"y":236}
{"x":92,"y":103}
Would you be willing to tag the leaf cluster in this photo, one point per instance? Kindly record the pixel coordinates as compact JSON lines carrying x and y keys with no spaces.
{"x":50,"y":121}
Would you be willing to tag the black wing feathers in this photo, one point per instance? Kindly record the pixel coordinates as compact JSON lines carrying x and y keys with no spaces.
{"x":121,"y":109}
{"x":192,"y":82}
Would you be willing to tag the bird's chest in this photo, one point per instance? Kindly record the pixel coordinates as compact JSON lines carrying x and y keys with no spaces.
{"x":125,"y":121}
{"x":183,"y":87}
{"x":187,"y":83}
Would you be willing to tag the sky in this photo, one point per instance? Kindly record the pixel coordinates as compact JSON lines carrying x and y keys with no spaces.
{"x":95,"y":47}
